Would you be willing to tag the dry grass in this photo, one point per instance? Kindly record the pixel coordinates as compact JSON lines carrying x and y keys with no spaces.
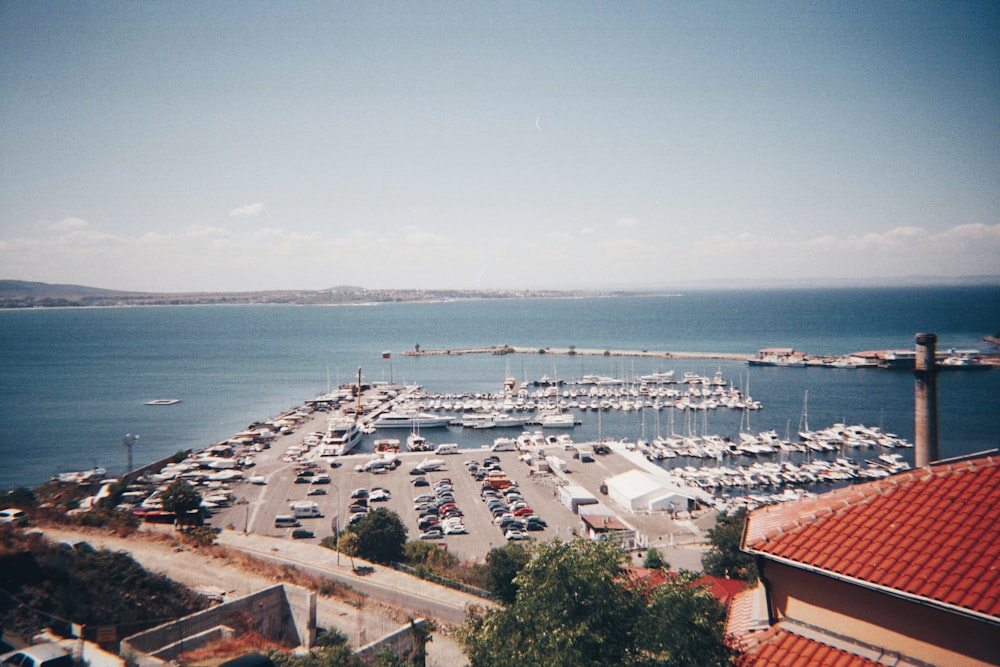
{"x":216,"y":653}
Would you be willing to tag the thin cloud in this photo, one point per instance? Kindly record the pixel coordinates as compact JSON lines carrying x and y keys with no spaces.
{"x":249,"y":211}
{"x":626,"y":222}
{"x":68,"y":225}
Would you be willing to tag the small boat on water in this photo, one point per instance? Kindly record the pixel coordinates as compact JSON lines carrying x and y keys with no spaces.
{"x":164,"y":401}
{"x":557,"y":420}
{"x":386,"y":445}
{"x":778,"y":356}
{"x":967,"y":360}
{"x":493,"y":420}
{"x":80,"y":477}
{"x":411,"y":420}
{"x":417,"y":443}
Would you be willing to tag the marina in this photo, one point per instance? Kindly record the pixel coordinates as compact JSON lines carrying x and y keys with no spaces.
{"x":250,"y":480}
{"x":274,"y":356}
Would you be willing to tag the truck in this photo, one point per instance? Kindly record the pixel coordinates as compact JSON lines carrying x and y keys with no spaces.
{"x":305,"y":509}
{"x":497,"y":480}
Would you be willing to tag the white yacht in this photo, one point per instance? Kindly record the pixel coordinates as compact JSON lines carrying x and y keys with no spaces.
{"x":342,"y":435}
{"x":493,"y":420}
{"x":411,"y":420}
{"x":557,"y":420}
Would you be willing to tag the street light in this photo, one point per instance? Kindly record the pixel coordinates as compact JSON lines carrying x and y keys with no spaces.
{"x":129,"y":442}
{"x":336,"y":524}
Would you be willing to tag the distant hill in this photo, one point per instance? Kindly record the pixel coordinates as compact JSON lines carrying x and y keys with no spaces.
{"x":24,"y":294}
{"x":14,"y":288}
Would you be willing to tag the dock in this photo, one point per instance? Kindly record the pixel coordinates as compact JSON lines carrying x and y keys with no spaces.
{"x":572,"y":350}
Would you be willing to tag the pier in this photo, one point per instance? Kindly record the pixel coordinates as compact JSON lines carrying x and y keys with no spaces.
{"x":572,"y":350}
{"x":881,"y":359}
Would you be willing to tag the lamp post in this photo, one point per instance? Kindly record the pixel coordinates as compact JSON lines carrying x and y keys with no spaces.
{"x":129,"y":442}
{"x":336,"y":524}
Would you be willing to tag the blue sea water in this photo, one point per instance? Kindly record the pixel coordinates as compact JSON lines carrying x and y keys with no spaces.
{"x":73,"y":382}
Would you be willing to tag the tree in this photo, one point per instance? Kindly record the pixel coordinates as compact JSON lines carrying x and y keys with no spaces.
{"x":654,"y":560}
{"x":503,"y":564}
{"x":180,"y":499}
{"x":381,"y":536}
{"x":348,"y":545}
{"x":576,"y":605}
{"x":725,"y":559}
{"x":683,"y":625}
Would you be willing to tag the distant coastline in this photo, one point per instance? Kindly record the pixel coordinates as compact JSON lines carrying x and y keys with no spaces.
{"x":17,"y":294}
{"x":22,"y":294}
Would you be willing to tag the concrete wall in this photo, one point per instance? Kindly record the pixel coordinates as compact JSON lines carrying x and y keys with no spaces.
{"x":283,"y":612}
{"x":403,"y":643}
{"x":155,"y":466}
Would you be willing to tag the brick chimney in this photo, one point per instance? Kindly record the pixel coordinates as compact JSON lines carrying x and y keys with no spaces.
{"x":925,"y":433}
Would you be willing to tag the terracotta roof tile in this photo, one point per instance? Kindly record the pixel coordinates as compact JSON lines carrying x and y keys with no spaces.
{"x":930,"y":532}
{"x":778,"y":647}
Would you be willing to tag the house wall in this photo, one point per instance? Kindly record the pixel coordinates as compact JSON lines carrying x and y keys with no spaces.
{"x":879,"y":619}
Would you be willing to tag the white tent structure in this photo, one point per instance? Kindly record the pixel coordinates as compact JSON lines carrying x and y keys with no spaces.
{"x":638,"y":490}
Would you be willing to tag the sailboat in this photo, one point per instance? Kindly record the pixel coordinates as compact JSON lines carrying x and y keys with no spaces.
{"x":416,"y":442}
{"x":804,"y":431}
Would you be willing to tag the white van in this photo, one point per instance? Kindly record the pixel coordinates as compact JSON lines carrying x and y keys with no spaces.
{"x":305,"y":509}
{"x":286,"y":521}
{"x":448,"y":448}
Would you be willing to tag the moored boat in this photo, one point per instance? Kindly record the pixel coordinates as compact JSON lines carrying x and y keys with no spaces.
{"x":411,"y":420}
{"x":342,"y":435}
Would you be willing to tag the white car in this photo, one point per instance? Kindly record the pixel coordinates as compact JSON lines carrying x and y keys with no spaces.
{"x":14,"y":516}
{"x":378,"y":495}
{"x":516,"y":535}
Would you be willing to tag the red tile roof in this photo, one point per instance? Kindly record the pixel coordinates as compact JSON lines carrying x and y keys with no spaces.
{"x":722,"y":588}
{"x":931,"y":532}
{"x":778,"y":647}
{"x":746,"y":616}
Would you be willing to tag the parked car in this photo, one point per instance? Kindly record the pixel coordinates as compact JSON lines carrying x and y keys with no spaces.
{"x":45,"y":654}
{"x":420,"y":481}
{"x":302,"y":533}
{"x":13,"y":515}
{"x":432,"y":534}
{"x":516,"y":535}
{"x":316,"y":492}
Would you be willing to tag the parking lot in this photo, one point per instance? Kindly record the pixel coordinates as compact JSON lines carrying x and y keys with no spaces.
{"x":331,"y":481}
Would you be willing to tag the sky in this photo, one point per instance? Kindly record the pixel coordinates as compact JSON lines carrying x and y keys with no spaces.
{"x":229,"y":146}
